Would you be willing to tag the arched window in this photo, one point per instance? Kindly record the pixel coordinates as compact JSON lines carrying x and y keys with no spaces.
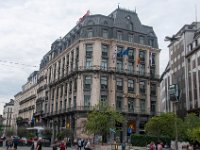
{"x":130,"y":26}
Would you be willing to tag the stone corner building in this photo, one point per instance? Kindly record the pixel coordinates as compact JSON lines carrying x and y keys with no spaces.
{"x":103,"y":58}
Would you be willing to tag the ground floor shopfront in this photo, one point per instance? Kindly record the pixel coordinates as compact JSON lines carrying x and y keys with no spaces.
{"x":74,"y":122}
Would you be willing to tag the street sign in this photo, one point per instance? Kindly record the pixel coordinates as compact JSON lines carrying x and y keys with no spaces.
{"x":173,"y":92}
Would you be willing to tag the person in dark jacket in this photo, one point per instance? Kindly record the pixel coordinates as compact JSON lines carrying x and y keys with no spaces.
{"x":15,"y":142}
{"x":54,"y":145}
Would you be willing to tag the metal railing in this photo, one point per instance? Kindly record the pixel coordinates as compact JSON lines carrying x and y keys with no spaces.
{"x":123,"y":110}
{"x":108,"y":70}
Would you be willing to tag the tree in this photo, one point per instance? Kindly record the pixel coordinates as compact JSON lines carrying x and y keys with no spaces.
{"x":102,"y":119}
{"x":164,"y":125}
{"x":22,"y":132}
{"x":192,"y":127}
{"x":191,"y":121}
{"x":194,"y":134}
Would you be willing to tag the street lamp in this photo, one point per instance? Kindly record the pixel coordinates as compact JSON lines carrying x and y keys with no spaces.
{"x":174,"y":88}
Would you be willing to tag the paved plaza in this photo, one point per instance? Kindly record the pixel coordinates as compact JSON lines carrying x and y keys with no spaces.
{"x":28,"y":148}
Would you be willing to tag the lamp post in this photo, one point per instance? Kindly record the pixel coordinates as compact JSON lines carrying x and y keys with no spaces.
{"x":172,"y":40}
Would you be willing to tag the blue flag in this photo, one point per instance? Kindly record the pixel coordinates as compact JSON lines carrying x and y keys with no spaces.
{"x":123,"y":53}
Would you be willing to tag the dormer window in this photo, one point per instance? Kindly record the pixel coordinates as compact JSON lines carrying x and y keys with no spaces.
{"x":119,"y":35}
{"x":89,"y":33}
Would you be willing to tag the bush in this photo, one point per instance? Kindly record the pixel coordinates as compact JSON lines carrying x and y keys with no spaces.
{"x":143,"y":140}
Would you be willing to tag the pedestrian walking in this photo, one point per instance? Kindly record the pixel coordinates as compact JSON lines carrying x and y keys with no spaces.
{"x":159,"y":146}
{"x":88,"y":146}
{"x":79,"y":144}
{"x":62,"y":146}
{"x":9,"y":142}
{"x":152,"y":146}
{"x":34,"y":144}
{"x":15,"y":142}
{"x":39,"y":144}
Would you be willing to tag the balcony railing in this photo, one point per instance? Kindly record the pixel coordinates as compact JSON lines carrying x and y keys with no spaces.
{"x":124,"y":110}
{"x":96,"y":68}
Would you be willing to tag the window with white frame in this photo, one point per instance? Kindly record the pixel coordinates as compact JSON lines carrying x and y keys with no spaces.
{"x":87,"y":82}
{"x":104,"y":64}
{"x":104,"y":83}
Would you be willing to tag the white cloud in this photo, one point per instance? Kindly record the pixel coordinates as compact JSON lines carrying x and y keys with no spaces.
{"x":27,"y":29}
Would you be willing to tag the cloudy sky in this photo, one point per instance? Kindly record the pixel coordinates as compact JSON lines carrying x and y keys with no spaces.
{"x":28,"y":27}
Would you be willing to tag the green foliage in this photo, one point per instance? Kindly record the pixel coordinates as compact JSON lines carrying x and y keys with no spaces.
{"x":9,"y":132}
{"x":101,"y":119}
{"x":30,"y":135}
{"x":192,"y":127}
{"x":22,"y":132}
{"x":143,"y":140}
{"x":60,"y":135}
{"x":63,"y":133}
{"x":194,"y":134}
{"x":164,"y":125}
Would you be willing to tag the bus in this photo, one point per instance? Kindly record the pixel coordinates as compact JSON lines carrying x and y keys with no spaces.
{"x":37,"y":131}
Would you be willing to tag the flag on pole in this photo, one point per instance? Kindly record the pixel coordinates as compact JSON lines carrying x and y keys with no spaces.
{"x":138,"y":60}
{"x":125,"y":52}
{"x":122,"y":53}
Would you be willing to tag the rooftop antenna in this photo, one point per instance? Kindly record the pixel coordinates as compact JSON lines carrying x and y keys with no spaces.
{"x":196,"y":15}
{"x":135,"y":9}
{"x":118,"y":5}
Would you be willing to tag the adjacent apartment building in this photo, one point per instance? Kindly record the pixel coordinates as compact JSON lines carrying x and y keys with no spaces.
{"x":112,"y":58}
{"x":182,"y":70}
{"x":7,"y":114}
{"x":25,"y":102}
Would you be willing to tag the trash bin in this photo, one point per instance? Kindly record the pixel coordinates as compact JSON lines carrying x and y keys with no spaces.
{"x":123,"y":146}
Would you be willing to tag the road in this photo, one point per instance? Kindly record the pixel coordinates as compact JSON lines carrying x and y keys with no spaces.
{"x":28,"y":148}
